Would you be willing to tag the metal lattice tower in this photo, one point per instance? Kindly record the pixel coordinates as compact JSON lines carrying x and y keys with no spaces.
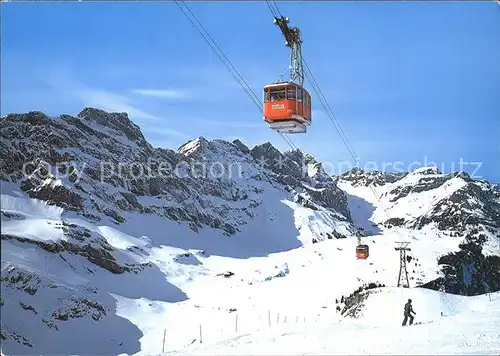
{"x":293,"y":40}
{"x":402,"y":248}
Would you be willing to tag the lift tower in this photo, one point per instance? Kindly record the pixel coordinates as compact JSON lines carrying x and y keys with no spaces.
{"x":402,"y":248}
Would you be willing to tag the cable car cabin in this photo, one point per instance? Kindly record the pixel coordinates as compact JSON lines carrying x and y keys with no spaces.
{"x":362,"y":252}
{"x":287,"y":107}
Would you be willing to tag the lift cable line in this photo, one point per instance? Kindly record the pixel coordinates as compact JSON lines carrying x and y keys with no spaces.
{"x":287,"y":104}
{"x":330,"y":113}
{"x":195,"y":22}
{"x":218,"y":51}
{"x":336,"y":124}
{"x":248,"y":90}
{"x":273,"y":7}
{"x":362,"y":250}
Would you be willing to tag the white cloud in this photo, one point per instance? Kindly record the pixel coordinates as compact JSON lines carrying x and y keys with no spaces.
{"x":62,"y":80}
{"x":164,"y":131}
{"x":110,"y":101}
{"x":162,"y":93}
{"x":235,"y":124}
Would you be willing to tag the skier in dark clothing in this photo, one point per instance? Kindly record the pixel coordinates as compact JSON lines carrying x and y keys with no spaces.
{"x":408,"y":311}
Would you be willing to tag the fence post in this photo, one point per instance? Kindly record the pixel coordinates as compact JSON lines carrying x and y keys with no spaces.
{"x":278,"y":318}
{"x":269,"y":317}
{"x":236,"y":323}
{"x":163,"y":347}
{"x":200,"y":335}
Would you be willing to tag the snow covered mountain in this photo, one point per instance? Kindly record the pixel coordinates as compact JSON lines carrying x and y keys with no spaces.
{"x":105,"y":236}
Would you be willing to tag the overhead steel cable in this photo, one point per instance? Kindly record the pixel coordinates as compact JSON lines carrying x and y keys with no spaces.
{"x":274,"y":11}
{"x":336,"y":124}
{"x":195,"y":22}
{"x":218,"y":51}
{"x":330,"y":113}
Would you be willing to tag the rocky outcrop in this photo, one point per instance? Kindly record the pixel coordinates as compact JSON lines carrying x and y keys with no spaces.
{"x":360,"y":177}
{"x":117,"y":121}
{"x":81,"y":242}
{"x":468,"y":271}
{"x":288,"y":171}
{"x":352,"y":305}
{"x":475,"y":204}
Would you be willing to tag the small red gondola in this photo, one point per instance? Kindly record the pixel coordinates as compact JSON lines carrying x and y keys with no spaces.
{"x":362,"y":252}
{"x":287,"y":107}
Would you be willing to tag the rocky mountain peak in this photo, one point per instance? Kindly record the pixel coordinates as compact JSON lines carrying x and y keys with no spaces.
{"x":268,"y":156}
{"x":194,"y":146}
{"x":241,"y":146}
{"x":359,"y":177}
{"x":431,"y":170}
{"x":32,"y":117}
{"x":118,"y":121}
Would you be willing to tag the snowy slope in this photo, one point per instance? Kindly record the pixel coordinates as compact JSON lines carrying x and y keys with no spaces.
{"x":91,"y":246}
{"x":469,"y":326}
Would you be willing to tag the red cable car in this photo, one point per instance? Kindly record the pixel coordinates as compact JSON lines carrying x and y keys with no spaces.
{"x":287,"y":107}
{"x":362,"y":252}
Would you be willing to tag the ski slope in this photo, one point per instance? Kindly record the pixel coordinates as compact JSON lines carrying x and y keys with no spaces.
{"x":297,"y":288}
{"x":277,"y":303}
{"x":469,"y":326}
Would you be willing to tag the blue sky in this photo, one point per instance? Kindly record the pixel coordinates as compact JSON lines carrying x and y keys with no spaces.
{"x":409,"y":81}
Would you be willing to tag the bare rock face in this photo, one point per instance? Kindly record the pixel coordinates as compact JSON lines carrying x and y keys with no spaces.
{"x":83,"y":242}
{"x":468,"y":271}
{"x":117,"y":121}
{"x":241,"y":146}
{"x":359,"y":177}
{"x":289,"y":171}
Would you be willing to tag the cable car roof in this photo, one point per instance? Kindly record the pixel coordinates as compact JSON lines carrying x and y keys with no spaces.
{"x":281,"y":85}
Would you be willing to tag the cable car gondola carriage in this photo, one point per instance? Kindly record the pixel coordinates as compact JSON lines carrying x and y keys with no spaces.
{"x":362,"y":250}
{"x":287,"y":105}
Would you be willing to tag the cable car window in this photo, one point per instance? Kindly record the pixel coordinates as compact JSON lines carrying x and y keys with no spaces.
{"x":299,"y":94}
{"x":266,"y":95}
{"x":278,"y":94}
{"x":290,"y":93}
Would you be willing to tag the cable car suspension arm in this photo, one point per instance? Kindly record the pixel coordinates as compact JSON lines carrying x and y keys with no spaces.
{"x":294,"y":42}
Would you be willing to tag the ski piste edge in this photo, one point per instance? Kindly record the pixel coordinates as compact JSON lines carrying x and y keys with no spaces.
{"x":420,"y":323}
